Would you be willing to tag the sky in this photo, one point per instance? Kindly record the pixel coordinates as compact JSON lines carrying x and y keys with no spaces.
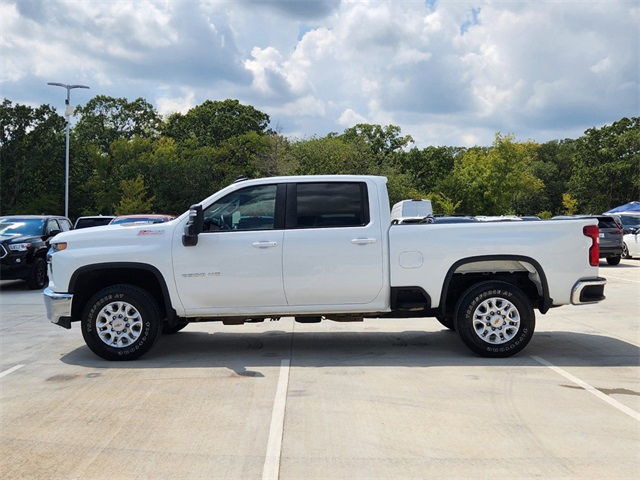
{"x":448,"y":73}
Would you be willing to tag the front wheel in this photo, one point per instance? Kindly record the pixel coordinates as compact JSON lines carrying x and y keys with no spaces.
{"x":37,"y":278}
{"x":495,"y":319}
{"x":121,"y":322}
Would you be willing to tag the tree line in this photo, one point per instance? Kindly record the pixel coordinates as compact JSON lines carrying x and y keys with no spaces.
{"x":126,"y":158}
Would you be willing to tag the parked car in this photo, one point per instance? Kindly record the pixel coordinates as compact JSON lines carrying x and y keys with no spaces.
{"x":24,"y":241}
{"x":631,"y":227}
{"x":611,"y":244}
{"x":142,"y":219}
{"x":92,"y":221}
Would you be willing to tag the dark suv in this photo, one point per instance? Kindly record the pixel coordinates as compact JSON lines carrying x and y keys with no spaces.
{"x":24,"y":241}
{"x":610,"y":237}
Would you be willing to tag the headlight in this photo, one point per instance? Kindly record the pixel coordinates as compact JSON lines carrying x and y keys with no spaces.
{"x":20,"y":247}
{"x":59,"y":246}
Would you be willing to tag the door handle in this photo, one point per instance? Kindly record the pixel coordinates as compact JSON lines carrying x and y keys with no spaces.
{"x":265,"y":244}
{"x":363,"y":241}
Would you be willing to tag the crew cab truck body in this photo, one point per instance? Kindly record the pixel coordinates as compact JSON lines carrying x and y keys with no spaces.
{"x":316,"y":247}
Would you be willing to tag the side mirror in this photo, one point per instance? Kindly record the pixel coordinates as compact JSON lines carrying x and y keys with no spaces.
{"x":193,"y":227}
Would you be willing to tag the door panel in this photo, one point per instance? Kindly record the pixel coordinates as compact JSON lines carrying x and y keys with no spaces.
{"x":237,"y":261}
{"x":332,"y":249}
{"x":230,"y":269}
{"x":333,"y":266}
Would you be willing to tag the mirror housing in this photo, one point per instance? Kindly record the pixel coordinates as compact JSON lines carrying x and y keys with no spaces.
{"x":194,"y":226}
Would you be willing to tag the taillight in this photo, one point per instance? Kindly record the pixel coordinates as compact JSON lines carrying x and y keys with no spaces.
{"x":592,"y":231}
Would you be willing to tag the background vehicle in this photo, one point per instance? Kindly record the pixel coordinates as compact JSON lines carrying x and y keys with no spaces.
{"x":610,"y":235}
{"x":92,"y":221}
{"x":631,"y":227}
{"x":24,"y":241}
{"x":314,"y":248}
{"x":141,"y":219}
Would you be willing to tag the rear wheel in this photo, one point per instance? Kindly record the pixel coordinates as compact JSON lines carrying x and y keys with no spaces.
{"x":613,"y":260}
{"x":495,"y":319}
{"x":121,"y":322}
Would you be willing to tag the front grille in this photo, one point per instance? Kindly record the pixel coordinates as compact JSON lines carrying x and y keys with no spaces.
{"x":3,"y":251}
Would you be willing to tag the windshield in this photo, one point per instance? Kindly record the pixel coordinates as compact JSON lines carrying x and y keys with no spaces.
{"x":21,"y":226}
{"x":138,"y":220}
{"x":630,"y":220}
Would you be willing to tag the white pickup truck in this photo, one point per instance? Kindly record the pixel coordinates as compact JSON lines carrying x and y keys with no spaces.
{"x":316,"y":247}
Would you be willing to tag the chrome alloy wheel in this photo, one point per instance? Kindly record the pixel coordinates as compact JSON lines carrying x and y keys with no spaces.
{"x":496,"y":320}
{"x":119,"y":324}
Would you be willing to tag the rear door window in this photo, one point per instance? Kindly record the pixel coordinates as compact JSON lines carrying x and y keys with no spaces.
{"x":326,"y":205}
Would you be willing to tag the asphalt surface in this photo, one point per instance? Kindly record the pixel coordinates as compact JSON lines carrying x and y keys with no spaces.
{"x":382,"y":399}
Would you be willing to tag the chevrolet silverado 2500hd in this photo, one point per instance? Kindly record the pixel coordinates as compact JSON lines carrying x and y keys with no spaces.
{"x":316,"y":247}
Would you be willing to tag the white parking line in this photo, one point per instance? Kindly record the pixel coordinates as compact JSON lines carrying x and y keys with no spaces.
{"x":623,"y":279}
{"x":589,"y":388}
{"x":12,"y":369}
{"x":271,"y":469}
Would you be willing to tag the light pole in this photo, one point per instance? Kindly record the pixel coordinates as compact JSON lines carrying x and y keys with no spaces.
{"x":68,"y":111}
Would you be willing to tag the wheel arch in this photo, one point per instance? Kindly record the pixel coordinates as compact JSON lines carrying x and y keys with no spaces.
{"x":89,"y":279}
{"x":521,"y":271}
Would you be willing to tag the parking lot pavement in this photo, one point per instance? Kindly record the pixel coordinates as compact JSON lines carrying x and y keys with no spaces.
{"x":388,"y":399}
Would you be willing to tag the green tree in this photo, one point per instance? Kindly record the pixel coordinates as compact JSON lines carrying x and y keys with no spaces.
{"x":569,"y":203}
{"x":553,"y":166}
{"x":213,"y":122}
{"x":382,"y":140}
{"x":103,"y":120}
{"x":32,"y":159}
{"x":134,"y":198}
{"x":443,"y":204}
{"x":496,"y":180}
{"x":277,"y":158}
{"x":606,"y":169}
{"x":333,"y":155}
{"x":429,"y":167}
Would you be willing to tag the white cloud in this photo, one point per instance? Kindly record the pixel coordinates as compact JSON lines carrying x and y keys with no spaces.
{"x":167,"y":105}
{"x":350,"y":118}
{"x":447,"y":73}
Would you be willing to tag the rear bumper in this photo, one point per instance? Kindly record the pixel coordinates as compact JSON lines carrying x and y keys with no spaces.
{"x":58,"y":307}
{"x":588,"y":290}
{"x":606,"y":252}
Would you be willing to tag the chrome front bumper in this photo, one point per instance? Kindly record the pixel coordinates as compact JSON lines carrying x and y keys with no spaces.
{"x":58,"y":307}
{"x":588,"y":290}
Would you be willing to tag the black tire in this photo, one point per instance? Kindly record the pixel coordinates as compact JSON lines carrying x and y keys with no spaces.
{"x":447,"y":321}
{"x":121,"y":322}
{"x":37,"y":278}
{"x":625,"y":251}
{"x":171,"y":329}
{"x":495,"y":319}
{"x":613,"y":260}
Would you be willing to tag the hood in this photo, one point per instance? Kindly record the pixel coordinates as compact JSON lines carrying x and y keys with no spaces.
{"x":7,"y":239}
